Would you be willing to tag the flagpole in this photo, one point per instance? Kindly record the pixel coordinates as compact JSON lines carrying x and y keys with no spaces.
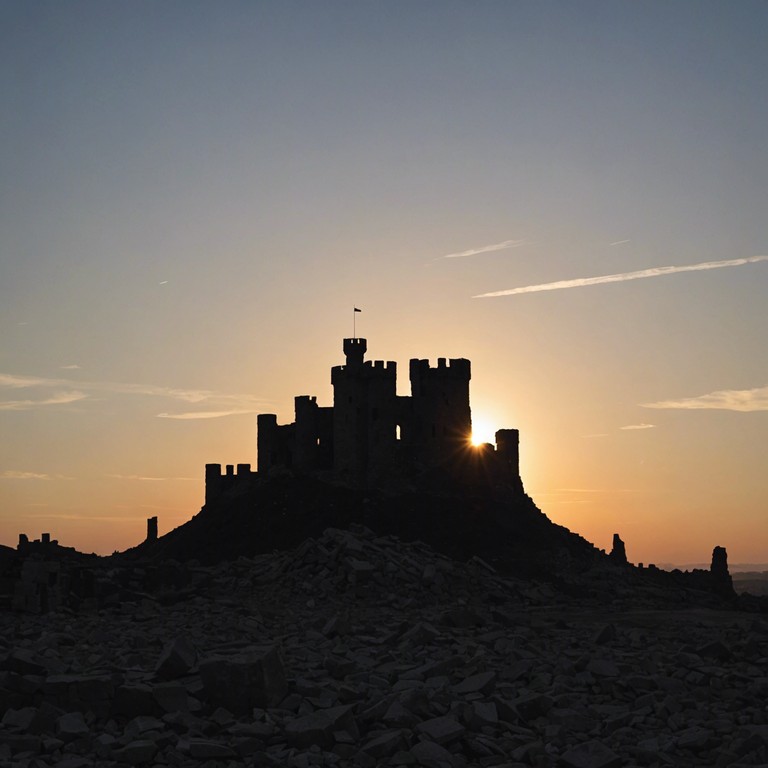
{"x":355,"y":310}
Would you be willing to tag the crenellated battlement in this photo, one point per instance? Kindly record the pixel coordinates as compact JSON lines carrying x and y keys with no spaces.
{"x":369,"y":369}
{"x":371,"y":435}
{"x":217,"y":482}
{"x":455,"y":368}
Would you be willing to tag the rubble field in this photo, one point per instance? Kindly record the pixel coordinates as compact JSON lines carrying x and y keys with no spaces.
{"x":360,"y":650}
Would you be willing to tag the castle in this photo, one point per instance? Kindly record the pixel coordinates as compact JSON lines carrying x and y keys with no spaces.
{"x":371,"y":436}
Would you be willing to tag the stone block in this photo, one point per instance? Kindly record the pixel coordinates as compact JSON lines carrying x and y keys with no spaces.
{"x":201,"y":749}
{"x":71,"y":725}
{"x":317,"y":728}
{"x":483,"y":682}
{"x":135,"y":752}
{"x":171,"y":697}
{"x":19,"y":719}
{"x":240,"y":683}
{"x":385,"y":744}
{"x":430,"y":753}
{"x":591,"y":754}
{"x":177,"y":659}
{"x":134,"y":700}
{"x":441,"y":730}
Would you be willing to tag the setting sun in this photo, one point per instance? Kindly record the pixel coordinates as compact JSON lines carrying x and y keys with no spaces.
{"x":483,"y":431}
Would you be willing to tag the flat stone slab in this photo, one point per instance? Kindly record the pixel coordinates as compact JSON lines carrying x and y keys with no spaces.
{"x":441,"y":730}
{"x":591,"y":754}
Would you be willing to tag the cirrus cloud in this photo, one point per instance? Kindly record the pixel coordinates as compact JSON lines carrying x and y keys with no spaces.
{"x":744,"y":400}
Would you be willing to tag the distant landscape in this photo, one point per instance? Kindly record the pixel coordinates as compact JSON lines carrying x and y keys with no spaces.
{"x":754,"y":582}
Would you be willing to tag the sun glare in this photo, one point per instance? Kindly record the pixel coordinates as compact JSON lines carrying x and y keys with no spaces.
{"x":482,"y":432}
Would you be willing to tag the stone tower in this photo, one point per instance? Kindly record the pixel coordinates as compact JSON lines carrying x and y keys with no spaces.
{"x":441,"y":419}
{"x":364,"y":411}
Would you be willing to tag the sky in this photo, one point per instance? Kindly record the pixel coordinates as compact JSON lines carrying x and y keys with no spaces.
{"x":573,"y":195}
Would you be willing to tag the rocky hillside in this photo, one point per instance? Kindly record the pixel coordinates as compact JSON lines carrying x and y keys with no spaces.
{"x":505,"y":529}
{"x":357,"y":649}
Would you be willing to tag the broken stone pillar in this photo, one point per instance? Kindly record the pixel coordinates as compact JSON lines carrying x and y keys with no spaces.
{"x":152,"y":529}
{"x":618,"y":552}
{"x":719,"y":565}
{"x":719,"y":571}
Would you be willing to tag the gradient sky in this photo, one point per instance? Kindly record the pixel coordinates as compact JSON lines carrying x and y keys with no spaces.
{"x":194,"y":195}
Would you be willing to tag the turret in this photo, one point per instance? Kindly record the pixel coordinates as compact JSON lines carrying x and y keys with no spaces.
{"x":355,"y":350}
{"x":212,"y":481}
{"x":266,"y":439}
{"x":508,"y":455}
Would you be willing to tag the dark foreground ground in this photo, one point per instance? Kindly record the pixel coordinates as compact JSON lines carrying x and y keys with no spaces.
{"x":356,"y":649}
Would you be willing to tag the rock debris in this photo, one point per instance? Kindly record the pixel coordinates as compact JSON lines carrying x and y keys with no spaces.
{"x":360,"y":650}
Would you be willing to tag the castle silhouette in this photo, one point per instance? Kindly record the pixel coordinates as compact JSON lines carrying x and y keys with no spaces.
{"x":373,"y":437}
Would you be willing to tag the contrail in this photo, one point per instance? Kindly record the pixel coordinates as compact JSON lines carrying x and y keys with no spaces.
{"x":485,"y":249}
{"x":579,"y":282}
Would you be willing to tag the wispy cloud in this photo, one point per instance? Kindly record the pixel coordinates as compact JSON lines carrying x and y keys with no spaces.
{"x":14,"y":474}
{"x":19,"y":382}
{"x":639,"y":426}
{"x":149,"y":478}
{"x":586,"y":490}
{"x":224,"y":404}
{"x":581,"y":282}
{"x":203,"y":414}
{"x":79,"y":516}
{"x":70,"y":367}
{"x":618,"y":242}
{"x":60,"y":398}
{"x":744,"y":400}
{"x":485,"y":249}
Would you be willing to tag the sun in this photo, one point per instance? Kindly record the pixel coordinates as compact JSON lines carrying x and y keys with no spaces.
{"x":483,"y":431}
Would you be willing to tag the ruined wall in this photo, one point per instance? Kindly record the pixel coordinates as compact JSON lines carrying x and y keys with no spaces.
{"x":275,"y":443}
{"x":217,"y":484}
{"x":313,"y":435}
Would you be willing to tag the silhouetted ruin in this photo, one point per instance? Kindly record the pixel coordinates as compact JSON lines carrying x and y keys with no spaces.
{"x":399,"y":466}
{"x":618,"y":552}
{"x":371,"y":436}
{"x":151,"y":529}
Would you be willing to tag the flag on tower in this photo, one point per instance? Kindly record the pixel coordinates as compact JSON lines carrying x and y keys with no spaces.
{"x":358,"y":310}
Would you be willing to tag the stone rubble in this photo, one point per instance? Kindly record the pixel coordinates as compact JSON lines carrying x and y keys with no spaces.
{"x":358,"y":650}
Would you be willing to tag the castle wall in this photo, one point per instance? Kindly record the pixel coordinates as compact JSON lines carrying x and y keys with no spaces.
{"x":275,"y":443}
{"x":313,"y":449}
{"x":217,"y":484}
{"x":371,"y":434}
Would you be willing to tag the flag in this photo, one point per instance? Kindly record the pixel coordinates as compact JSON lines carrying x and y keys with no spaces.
{"x":358,"y":310}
